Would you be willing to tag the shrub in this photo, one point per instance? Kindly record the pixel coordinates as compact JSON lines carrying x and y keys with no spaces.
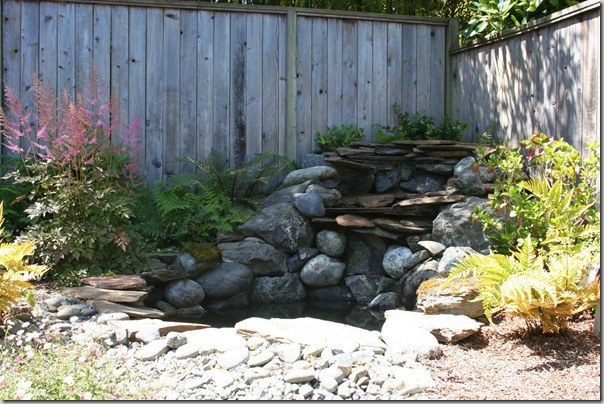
{"x":336,"y":137}
{"x":419,"y":127}
{"x":546,"y":293}
{"x":82,"y":169}
{"x":548,"y":195}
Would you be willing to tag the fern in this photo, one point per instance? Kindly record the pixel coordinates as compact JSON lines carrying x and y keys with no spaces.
{"x":545,"y":294}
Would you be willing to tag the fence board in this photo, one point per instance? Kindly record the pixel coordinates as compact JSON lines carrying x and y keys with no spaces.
{"x":437,"y":72}
{"x":101,"y":47}
{"x":221,"y":88}
{"x":205,"y":84}
{"x":269,"y":97}
{"x":137,"y":55}
{"x":319,"y":88}
{"x":394,"y":72}
{"x":83,"y":45}
{"x":254,"y":76}
{"x":304,"y":84}
{"x":238,"y":89}
{"x":422,"y":58}
{"x":30,"y":47}
{"x":119,"y":63}
{"x":170,"y":91}
{"x":187,"y":90}
{"x":380,"y":78}
{"x":349,"y":72}
{"x":409,"y":68}
{"x":335,"y":65}
{"x":66,"y":34}
{"x":365,"y":76}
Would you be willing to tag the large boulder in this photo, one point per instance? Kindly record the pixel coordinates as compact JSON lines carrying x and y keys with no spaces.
{"x":309,"y":204}
{"x":296,"y":261}
{"x":454,"y":226}
{"x":452,"y":256}
{"x":278,"y":289}
{"x":410,"y":282}
{"x":398,"y":260}
{"x":456,"y":296}
{"x":404,"y":338}
{"x":184,"y":293}
{"x":331,"y":243}
{"x":363,"y":255}
{"x":282,"y":226}
{"x":330,"y":197}
{"x":446,"y":328}
{"x":322,"y":270}
{"x":311,"y":173}
{"x":261,"y":258}
{"x":225,"y":280}
{"x":285,"y":195}
{"x":365,"y":288}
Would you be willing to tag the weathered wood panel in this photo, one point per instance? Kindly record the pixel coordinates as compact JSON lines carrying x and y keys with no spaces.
{"x":203,"y":76}
{"x":538,"y":78}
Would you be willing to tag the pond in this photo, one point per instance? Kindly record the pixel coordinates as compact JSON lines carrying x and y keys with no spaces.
{"x":350,"y":314}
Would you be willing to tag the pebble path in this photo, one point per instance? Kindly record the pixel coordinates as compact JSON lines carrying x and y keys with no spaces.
{"x":221,"y":363}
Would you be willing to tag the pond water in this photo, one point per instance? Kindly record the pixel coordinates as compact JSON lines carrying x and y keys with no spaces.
{"x":349,"y":314}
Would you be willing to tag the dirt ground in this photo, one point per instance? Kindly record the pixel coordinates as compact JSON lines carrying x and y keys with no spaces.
{"x":504,"y":363}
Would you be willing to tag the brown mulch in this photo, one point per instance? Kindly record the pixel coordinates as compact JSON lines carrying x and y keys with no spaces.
{"x":504,"y":362}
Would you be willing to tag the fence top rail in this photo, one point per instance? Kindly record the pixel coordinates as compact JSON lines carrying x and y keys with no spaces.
{"x":305,"y":12}
{"x":553,"y":18}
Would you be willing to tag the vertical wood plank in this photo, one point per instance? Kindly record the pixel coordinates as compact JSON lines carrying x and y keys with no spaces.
{"x":291,"y":83}
{"x":222,"y":73}
{"x":422,"y":66}
{"x":546,"y":91}
{"x":409,"y":68}
{"x":48,"y":42}
{"x":437,"y":73}
{"x":119,"y":64}
{"x":187,"y":130}
{"x":11,"y":52}
{"x":284,"y":87}
{"x":66,"y":47}
{"x":30,"y":48}
{"x":238,"y":83}
{"x":350,"y":79}
{"x":319,"y":78}
{"x":365,"y":77}
{"x":334,"y":76}
{"x":154,"y":90}
{"x":254,"y":84}
{"x":271,"y":36}
{"x":590,"y":75}
{"x":205,"y":84}
{"x":380,"y":106}
{"x":137,"y":55}
{"x":171,"y":70}
{"x":394,"y":71}
{"x":569,"y":90}
{"x":304,"y":84}
{"x":101,"y":48}
{"x":83,"y":44}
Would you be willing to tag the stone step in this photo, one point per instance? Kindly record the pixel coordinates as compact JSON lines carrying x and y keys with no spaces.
{"x":164,"y":327}
{"x":132,"y":311}
{"x":120,"y":282}
{"x":109,"y":295}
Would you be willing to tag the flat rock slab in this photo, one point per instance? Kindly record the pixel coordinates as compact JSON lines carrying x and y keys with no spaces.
{"x":310,"y":331}
{"x":133,"y":311}
{"x":121,"y":282}
{"x":164,"y":327}
{"x":354,"y":221}
{"x":162,"y":275}
{"x":117,"y":296}
{"x":431,"y":200}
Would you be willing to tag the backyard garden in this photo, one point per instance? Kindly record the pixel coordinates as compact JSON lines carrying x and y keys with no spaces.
{"x":74,"y":206}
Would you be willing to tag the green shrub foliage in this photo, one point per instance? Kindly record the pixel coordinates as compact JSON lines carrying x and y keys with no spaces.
{"x":341,"y":136}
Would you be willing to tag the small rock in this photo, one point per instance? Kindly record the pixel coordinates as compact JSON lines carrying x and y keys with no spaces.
{"x":175,"y":340}
{"x":105,"y":317}
{"x":299,"y":376}
{"x":261,"y":358}
{"x":153,"y":350}
{"x":233,"y":357}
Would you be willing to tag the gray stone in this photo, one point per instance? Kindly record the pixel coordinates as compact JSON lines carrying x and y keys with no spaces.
{"x":285,"y":195}
{"x":454,"y":226}
{"x":103,"y":318}
{"x":152,"y":350}
{"x":469,"y":183}
{"x":409,"y":284}
{"x":261,"y":258}
{"x":260,"y":358}
{"x":299,"y":376}
{"x":233,"y":357}
{"x":322,"y":271}
{"x":147,"y":334}
{"x":88,"y":311}
{"x":464,"y":165}
{"x":312,"y":159}
{"x":175,"y":340}
{"x":338,"y":293}
{"x":311,"y":173}
{"x":386,"y":180}
{"x":221,"y":377}
{"x":330,"y":197}
{"x":386,"y":300}
{"x":447,"y":328}
{"x":66,"y":312}
{"x":452,"y":256}
{"x":365,"y":288}
{"x":355,"y":181}
{"x":331,"y":243}
{"x":301,"y":257}
{"x":363,"y":255}
{"x":280,"y":289}
{"x":432,"y":247}
{"x":414,"y":239}
{"x":436,"y":168}
{"x":282,"y":226}
{"x":458,"y":298}
{"x":166,"y":308}
{"x":394,"y":261}
{"x":329,"y":384}
{"x":405,"y":338}
{"x":239,"y":301}
{"x":309,"y":205}
{"x":422,"y":183}
{"x":186,"y":263}
{"x":195,"y":311}
{"x":184,"y":293}
{"x":225,"y":280}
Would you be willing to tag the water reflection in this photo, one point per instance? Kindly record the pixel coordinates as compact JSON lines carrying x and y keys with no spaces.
{"x":345,"y":313}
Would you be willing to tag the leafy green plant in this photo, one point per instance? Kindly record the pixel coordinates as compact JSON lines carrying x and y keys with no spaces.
{"x":419,"y":127}
{"x":490,"y":17}
{"x":548,"y":195}
{"x":545,"y":292}
{"x":336,"y":137}
{"x":81,"y":169}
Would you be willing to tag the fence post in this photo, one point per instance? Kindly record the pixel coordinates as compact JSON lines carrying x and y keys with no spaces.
{"x":451,"y":43}
{"x":290,"y":86}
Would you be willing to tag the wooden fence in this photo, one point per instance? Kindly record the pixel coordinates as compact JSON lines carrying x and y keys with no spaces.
{"x":544,"y":76}
{"x":238,"y":79}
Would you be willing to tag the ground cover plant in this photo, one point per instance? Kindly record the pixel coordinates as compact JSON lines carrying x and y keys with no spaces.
{"x":338,"y":136}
